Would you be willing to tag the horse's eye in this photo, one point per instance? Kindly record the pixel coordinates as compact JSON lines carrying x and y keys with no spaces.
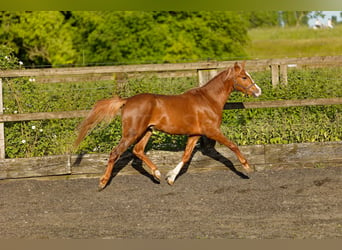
{"x":244,"y":77}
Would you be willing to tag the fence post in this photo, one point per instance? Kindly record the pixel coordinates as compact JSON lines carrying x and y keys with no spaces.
{"x":2,"y":129}
{"x":283,"y":74}
{"x":275,"y":74}
{"x":204,"y":75}
{"x":279,"y":74}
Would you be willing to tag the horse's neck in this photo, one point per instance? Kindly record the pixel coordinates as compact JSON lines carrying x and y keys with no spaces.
{"x":217,"y":90}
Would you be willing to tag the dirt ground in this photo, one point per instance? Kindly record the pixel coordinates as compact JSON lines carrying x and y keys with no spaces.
{"x":271,"y":204}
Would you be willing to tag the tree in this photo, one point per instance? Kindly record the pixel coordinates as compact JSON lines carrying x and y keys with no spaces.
{"x":131,"y":36}
{"x":296,"y":18}
{"x":92,"y":37}
{"x":261,"y":18}
{"x":38,"y":37}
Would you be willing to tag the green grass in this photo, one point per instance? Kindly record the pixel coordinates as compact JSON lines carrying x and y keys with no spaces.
{"x":245,"y":127}
{"x":277,"y":42}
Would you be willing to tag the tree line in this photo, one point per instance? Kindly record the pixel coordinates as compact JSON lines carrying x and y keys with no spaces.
{"x":55,"y":38}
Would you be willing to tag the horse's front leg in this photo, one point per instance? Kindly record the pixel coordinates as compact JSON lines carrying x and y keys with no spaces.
{"x":220,"y":138}
{"x":171,"y":175}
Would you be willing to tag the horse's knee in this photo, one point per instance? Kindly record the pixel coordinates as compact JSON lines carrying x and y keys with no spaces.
{"x":233,"y":147}
{"x":113,"y":155}
{"x":137,"y":151}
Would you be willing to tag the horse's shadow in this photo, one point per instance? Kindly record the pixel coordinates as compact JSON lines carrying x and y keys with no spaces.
{"x":137,"y":164}
{"x":206,"y":147}
{"x":123,"y":161}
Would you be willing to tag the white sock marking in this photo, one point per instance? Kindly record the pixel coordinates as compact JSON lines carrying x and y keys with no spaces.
{"x":172,"y":174}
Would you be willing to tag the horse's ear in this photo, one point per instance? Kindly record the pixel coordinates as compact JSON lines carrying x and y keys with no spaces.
{"x":229,"y":74}
{"x":238,"y":68}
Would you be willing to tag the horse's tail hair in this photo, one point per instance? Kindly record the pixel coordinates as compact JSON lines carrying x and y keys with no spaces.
{"x":103,"y":111}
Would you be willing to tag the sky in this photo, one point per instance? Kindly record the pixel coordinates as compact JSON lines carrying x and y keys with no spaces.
{"x":327,"y":14}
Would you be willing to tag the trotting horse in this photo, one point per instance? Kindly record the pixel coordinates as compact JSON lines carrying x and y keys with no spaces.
{"x":194,"y":113}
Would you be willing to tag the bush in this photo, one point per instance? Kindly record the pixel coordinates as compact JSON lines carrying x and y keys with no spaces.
{"x":250,"y":126}
{"x":293,"y":124}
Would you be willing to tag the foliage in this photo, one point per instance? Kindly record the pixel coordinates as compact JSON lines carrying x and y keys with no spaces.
{"x":252,"y":126}
{"x":81,"y":37}
{"x":91,"y":37}
{"x":295,"y":18}
{"x":258,"y":19}
{"x":7,"y":59}
{"x":293,"y":124}
{"x":38,"y":37}
{"x":51,"y":137}
{"x":45,"y":137}
{"x":131,"y":37}
{"x":54,"y":38}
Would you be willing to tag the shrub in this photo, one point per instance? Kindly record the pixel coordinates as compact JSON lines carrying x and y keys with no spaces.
{"x":250,"y":126}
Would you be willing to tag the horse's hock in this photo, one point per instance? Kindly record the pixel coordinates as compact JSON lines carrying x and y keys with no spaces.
{"x":260,"y":157}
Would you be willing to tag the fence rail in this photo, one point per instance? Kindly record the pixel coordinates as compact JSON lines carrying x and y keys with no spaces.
{"x":282,"y":156}
{"x":230,"y":105}
{"x":204,"y":71}
{"x":251,"y":64}
{"x":278,"y":68}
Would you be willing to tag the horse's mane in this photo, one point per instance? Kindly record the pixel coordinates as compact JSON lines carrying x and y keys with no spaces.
{"x":229,"y":74}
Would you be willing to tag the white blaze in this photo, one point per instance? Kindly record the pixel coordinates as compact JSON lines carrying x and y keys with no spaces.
{"x":258,"y":92}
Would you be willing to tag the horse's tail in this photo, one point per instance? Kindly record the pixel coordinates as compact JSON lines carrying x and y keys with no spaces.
{"x":103,"y":111}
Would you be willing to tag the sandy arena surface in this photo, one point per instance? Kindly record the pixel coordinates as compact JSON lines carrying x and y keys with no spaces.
{"x":272,"y":204}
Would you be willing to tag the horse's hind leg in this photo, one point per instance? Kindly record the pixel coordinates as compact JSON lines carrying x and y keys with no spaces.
{"x":171,"y":175}
{"x":138,"y":150}
{"x":113,"y":157}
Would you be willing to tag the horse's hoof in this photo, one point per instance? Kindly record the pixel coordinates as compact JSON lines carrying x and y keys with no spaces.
{"x":103,"y":183}
{"x":170,"y":181}
{"x":156,"y":174}
{"x":248,"y":169}
{"x":101,"y":187}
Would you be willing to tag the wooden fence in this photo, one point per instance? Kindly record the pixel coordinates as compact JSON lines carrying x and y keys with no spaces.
{"x":261,"y":157}
{"x":204,"y":71}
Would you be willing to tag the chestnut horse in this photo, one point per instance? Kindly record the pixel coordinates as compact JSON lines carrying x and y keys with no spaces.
{"x":194,"y":113}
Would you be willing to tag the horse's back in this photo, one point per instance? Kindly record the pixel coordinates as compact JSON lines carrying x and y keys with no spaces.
{"x":169,"y":113}
{"x":175,"y":103}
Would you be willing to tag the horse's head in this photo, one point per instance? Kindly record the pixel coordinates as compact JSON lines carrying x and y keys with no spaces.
{"x":243,"y":82}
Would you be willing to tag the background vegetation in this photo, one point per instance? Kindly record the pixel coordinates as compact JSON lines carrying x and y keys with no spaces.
{"x":245,"y":127}
{"x":275,"y":42}
{"x":50,"y":39}
{"x":54,"y":38}
{"x":90,"y":37}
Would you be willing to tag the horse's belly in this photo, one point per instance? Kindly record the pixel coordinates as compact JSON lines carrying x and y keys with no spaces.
{"x":185,"y":124}
{"x":177,"y":115}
